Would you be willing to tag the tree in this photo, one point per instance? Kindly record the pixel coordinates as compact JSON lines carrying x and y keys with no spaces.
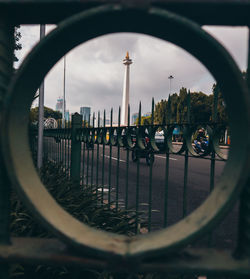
{"x":221,"y":107}
{"x":200,"y":108}
{"x":145,"y":120}
{"x":48,"y":113}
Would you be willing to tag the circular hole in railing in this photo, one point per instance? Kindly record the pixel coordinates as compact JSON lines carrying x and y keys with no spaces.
{"x":157,"y":141}
{"x":200,"y":141}
{"x":81,"y":236}
{"x":175,"y":138}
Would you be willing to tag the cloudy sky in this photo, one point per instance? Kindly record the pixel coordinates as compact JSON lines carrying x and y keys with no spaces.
{"x":94,"y":70}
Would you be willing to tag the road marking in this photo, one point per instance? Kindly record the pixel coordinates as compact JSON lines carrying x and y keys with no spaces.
{"x":113,"y":158}
{"x":162,"y":157}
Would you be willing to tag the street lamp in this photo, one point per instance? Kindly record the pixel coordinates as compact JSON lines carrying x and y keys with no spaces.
{"x":170,"y":81}
{"x":40,"y":114}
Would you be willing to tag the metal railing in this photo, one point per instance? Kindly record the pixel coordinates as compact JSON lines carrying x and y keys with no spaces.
{"x":166,"y":250}
{"x":92,"y":156}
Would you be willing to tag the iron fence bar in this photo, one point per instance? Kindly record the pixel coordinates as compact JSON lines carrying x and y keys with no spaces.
{"x":87,"y":170}
{"x":110,"y":157}
{"x":137,"y":177}
{"x":184,"y":213}
{"x":168,"y":120}
{"x":118,"y":160}
{"x":103,"y":153}
{"x":75,"y":148}
{"x":166,"y":190}
{"x":60,"y":149}
{"x":88,"y":147}
{"x":6,"y":61}
{"x":92,"y":154}
{"x":243,"y":248}
{"x":212,"y":162}
{"x":127,"y":163}
{"x":69,"y":150}
{"x":57,"y":151}
{"x":150,"y":173}
{"x":83,"y":161}
{"x":83,"y":145}
{"x":65,"y":148}
{"x":97,"y":155}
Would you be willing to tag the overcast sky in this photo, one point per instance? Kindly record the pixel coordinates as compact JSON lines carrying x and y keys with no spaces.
{"x":94,"y":73}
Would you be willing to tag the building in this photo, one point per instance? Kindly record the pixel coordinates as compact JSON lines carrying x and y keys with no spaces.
{"x":67,"y":115}
{"x":59,"y":104}
{"x":85,"y":112}
{"x":134,"y":117}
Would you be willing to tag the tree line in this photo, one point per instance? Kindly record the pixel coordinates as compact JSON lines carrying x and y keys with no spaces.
{"x":175,"y":109}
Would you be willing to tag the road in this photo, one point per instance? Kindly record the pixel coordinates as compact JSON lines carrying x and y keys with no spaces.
{"x":113,"y":172}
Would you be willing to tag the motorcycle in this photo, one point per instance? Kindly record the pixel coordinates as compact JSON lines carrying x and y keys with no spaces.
{"x":146,"y":153}
{"x":201,"y":146}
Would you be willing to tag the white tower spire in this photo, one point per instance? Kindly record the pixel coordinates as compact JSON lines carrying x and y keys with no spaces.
{"x":125,"y":98}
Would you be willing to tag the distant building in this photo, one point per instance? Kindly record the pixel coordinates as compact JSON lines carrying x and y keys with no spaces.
{"x":85,"y":112}
{"x":134,"y":117}
{"x":67,"y":115}
{"x":59,"y":104}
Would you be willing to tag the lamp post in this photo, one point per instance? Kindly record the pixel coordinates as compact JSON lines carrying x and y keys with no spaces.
{"x":41,"y":114}
{"x":170,"y":83}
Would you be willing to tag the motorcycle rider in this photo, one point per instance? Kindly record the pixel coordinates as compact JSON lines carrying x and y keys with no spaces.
{"x":201,"y":138}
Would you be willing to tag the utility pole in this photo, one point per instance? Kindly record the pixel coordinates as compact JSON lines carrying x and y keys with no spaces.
{"x":40,"y":114}
{"x":170,"y":83}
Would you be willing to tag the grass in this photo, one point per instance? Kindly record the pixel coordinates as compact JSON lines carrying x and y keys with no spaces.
{"x":84,"y":204}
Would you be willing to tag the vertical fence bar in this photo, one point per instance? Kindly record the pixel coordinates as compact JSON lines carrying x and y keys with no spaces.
{"x":87,"y":143}
{"x":6,"y":62}
{"x":212,"y":162}
{"x":83,"y":147}
{"x":93,"y":151}
{"x":150,"y":173}
{"x":127,"y":164}
{"x":184,"y":211}
{"x":103,"y":153}
{"x":118,"y":160}
{"x":75,"y":148}
{"x":137,"y":175}
{"x":69,"y":149}
{"x":243,"y":245}
{"x":214,"y":118}
{"x":110,"y":157}
{"x":64,"y":138}
{"x":97,"y":155}
{"x":167,"y":121}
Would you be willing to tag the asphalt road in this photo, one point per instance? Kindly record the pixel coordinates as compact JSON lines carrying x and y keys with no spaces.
{"x":114,"y":172}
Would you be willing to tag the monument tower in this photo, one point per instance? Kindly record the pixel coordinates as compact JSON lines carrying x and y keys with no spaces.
{"x":125,"y":97}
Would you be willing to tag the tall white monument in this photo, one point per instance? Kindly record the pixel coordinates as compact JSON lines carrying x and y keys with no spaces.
{"x":125,"y":98}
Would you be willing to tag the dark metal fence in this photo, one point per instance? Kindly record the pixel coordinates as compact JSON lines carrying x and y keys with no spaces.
{"x":167,"y":250}
{"x":117,"y":160}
